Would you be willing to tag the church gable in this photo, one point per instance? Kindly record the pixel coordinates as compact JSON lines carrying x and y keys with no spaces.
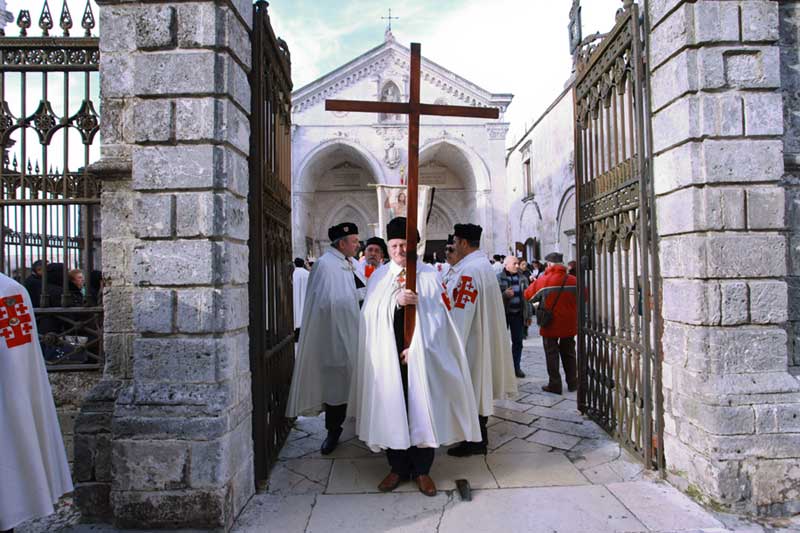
{"x":382,"y":73}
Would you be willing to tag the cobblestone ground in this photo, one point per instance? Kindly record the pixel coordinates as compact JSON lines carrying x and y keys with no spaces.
{"x":549,"y":469}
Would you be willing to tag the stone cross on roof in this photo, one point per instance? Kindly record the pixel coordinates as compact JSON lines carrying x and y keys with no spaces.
{"x":388,"y":33}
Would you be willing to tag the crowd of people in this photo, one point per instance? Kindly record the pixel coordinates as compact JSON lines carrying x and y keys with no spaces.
{"x":412,"y":394}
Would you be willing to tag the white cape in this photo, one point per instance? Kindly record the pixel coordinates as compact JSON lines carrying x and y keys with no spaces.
{"x":328,"y":344}
{"x":441,"y":406}
{"x":299,"y":286}
{"x":33,"y":462}
{"x":477,"y":310}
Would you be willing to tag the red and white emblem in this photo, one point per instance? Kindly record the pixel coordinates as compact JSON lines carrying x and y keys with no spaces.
{"x":465,"y":292}
{"x":445,"y":298}
{"x":15,"y":321}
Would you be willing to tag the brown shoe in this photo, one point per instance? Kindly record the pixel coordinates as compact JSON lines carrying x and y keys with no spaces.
{"x":551,"y":389}
{"x":390,"y":482}
{"x":426,"y":485}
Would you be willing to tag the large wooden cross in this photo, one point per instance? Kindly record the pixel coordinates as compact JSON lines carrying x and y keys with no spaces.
{"x":413,"y":109}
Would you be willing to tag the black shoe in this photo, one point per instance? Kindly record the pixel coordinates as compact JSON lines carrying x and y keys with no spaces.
{"x":548,"y":388}
{"x":519,"y":373}
{"x":331,"y":441}
{"x":572,"y":388}
{"x":465,"y":449}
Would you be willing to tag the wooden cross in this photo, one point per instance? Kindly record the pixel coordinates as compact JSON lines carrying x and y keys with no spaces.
{"x":413,"y":109}
{"x":390,"y":18}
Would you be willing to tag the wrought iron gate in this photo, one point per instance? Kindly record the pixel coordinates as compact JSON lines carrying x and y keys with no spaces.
{"x":619,"y":325}
{"x":271,"y":321}
{"x":49,"y":203}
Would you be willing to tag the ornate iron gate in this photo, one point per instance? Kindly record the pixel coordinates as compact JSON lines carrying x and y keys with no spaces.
{"x":271,"y":321}
{"x":49,"y":203}
{"x":619,"y":325}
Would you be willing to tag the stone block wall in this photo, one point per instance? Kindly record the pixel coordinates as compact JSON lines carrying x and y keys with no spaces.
{"x":789,"y":29}
{"x":732,"y":408}
{"x":69,"y":391}
{"x":164,"y":441}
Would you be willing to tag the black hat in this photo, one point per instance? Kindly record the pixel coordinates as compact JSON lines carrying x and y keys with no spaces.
{"x":450,"y":239}
{"x":299,"y":262}
{"x":396,"y":229}
{"x":554,"y":257}
{"x":342,"y":230}
{"x":380,"y":242}
{"x":468,"y":232}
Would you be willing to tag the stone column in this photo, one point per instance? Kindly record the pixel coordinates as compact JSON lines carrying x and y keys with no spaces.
{"x":165,"y":441}
{"x":732,"y":409}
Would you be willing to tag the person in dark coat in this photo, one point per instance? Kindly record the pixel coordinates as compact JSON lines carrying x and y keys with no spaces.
{"x":518,"y":310}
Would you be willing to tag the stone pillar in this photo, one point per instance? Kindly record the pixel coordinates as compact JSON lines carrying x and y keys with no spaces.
{"x":165,"y":440}
{"x":732,"y":409}
{"x":789,"y":27}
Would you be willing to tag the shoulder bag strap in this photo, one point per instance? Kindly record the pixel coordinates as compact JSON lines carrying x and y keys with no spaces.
{"x":560,"y":290}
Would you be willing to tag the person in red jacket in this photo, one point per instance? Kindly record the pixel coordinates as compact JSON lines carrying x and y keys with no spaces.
{"x":557,"y":290}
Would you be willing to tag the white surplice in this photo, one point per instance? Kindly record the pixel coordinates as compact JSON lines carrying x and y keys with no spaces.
{"x":476,"y":306}
{"x":328,"y":343}
{"x":441,"y":405}
{"x":34,"y":472}
{"x":299,"y":286}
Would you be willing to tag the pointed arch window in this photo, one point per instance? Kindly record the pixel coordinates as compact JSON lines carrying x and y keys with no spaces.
{"x":390,"y":93}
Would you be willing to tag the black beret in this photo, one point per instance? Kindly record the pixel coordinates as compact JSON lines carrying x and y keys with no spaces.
{"x":396,"y":229}
{"x":554,"y":257}
{"x":342,"y":230}
{"x":380,"y":242}
{"x":468,"y":232}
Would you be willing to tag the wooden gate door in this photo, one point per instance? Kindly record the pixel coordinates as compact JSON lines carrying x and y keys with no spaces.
{"x":619,"y":326}
{"x":271,"y":321}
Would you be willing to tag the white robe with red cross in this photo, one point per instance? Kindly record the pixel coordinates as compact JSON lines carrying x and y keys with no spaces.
{"x":473,"y":296}
{"x":34,"y":472}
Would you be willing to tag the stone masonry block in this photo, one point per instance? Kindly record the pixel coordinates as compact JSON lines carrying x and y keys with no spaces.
{"x":206,"y":398}
{"x":212,"y":310}
{"x":766,"y":208}
{"x":692,"y":302}
{"x":721,"y":115}
{"x":174,"y":167}
{"x":674,"y":78}
{"x":118,"y":349}
{"x":779,"y":418}
{"x":215,"y":462}
{"x":117,"y":21}
{"x":152,"y":310}
{"x":700,"y":209}
{"x":198,"y":214}
{"x":769,"y":302}
{"x":178,"y":72}
{"x":117,"y":259}
{"x":237,"y":39}
{"x":192,"y":509}
{"x":697,"y":116}
{"x":671,"y":35}
{"x":117,"y":214}
{"x":212,"y":119}
{"x":720,"y":420}
{"x":793,"y":285}
{"x":228,"y":357}
{"x":148,"y":465}
{"x":752,"y":67}
{"x":117,"y":80}
{"x":763,"y":114}
{"x":233,"y":262}
{"x":794,"y":254}
{"x":775,"y":486}
{"x":117,"y":124}
{"x":746,"y":349}
{"x":197,"y":25}
{"x":180,"y":262}
{"x":179,"y":359}
{"x":734,"y":303}
{"x":759,"y":21}
{"x":715,"y":21}
{"x":152,"y":120}
{"x":743,"y":160}
{"x":723,"y":255}
{"x":659,"y":9}
{"x":153,"y":215}
{"x":156,"y":27}
{"x":234,"y":171}
{"x":118,"y":306}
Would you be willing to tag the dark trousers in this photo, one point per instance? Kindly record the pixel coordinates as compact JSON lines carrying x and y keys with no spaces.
{"x":334,"y":416}
{"x":516,"y":323}
{"x":563,"y":348}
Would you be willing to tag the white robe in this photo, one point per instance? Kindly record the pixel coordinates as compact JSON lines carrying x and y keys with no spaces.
{"x":299,"y":285}
{"x":441,"y":406}
{"x":34,"y":472}
{"x":328,"y":344}
{"x":476,"y":306}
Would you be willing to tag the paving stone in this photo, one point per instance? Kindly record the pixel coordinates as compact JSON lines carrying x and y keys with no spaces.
{"x":413,"y":513}
{"x":570,"y":406}
{"x":556,"y":414}
{"x":660,"y":506}
{"x":354,"y":476}
{"x":514,"y":406}
{"x":522,"y":446}
{"x":543,"y":399}
{"x":556,"y":440}
{"x":299,"y":476}
{"x":311,"y":424}
{"x":447,"y":469}
{"x":275,"y":513}
{"x":504,"y":431}
{"x":345,"y":450}
{"x":540,"y":510}
{"x":301,"y":447}
{"x":602,"y":474}
{"x":513,"y":416}
{"x":587,"y":429}
{"x":590,"y":453}
{"x":534,"y":470}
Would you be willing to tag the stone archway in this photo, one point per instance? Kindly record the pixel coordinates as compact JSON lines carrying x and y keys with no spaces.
{"x":565,"y":225}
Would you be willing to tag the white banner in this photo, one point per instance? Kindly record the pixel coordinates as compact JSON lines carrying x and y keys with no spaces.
{"x":393,"y":202}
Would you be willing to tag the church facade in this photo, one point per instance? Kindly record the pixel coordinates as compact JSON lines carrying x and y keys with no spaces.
{"x":338,"y":157}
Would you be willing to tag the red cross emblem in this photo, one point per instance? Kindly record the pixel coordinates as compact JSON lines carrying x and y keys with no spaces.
{"x":465,"y":292}
{"x":15,"y":321}
{"x":445,"y":298}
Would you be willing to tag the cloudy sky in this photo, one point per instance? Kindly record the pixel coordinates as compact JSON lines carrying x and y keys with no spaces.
{"x":515,"y":46}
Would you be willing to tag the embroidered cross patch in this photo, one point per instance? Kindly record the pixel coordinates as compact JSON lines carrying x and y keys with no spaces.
{"x":15,"y":321}
{"x":465,"y":292}
{"x":445,"y":298}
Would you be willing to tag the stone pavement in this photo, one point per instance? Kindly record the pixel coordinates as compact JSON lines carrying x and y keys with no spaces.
{"x":549,"y":469}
